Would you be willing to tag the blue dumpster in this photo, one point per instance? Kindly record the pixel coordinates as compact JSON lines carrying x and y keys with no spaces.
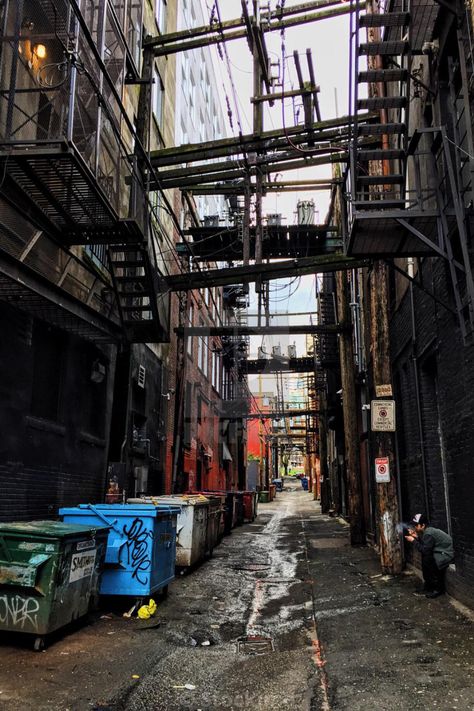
{"x":141,"y":549}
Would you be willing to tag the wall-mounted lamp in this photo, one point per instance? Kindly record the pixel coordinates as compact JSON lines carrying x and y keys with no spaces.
{"x":39,"y":51}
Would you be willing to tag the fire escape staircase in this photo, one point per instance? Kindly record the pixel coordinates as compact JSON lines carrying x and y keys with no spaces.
{"x":378,"y":149}
{"x":136,"y":287}
{"x":326,"y":344}
{"x":391,"y":212}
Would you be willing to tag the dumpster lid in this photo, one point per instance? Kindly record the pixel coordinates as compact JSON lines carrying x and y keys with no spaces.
{"x":47,"y":529}
{"x":135,"y":507}
{"x":177,"y":500}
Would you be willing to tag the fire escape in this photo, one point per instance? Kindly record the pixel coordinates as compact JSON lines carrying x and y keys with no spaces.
{"x":410,"y":192}
{"x":68,"y":156}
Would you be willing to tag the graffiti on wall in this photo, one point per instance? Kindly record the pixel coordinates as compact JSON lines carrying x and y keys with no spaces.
{"x":138,"y":545}
{"x":19,"y":612}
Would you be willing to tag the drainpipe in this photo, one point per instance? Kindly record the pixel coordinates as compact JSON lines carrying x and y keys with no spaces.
{"x":410,"y":268}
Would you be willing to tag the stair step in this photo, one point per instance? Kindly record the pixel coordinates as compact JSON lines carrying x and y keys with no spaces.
{"x":139,"y":307}
{"x":394,"y":179}
{"x":128,"y":279}
{"x":380,"y":153}
{"x":124,"y":248}
{"x":392,"y":47}
{"x":125,"y":263}
{"x":385,"y":19}
{"x":379,"y":129}
{"x":135,"y":294}
{"x":382,"y":102}
{"x":383,"y":75}
{"x":378,"y":204}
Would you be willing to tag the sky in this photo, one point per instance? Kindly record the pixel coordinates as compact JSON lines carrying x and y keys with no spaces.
{"x":329,"y":43}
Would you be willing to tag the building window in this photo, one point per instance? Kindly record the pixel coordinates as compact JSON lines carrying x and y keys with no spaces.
{"x":48,"y":354}
{"x":97,"y":253}
{"x":192,"y":98}
{"x":134,"y":30}
{"x":205,"y":365}
{"x":160,"y":15}
{"x":157,"y":97}
{"x":187,"y":416}
{"x":189,"y":347}
{"x":200,"y":347}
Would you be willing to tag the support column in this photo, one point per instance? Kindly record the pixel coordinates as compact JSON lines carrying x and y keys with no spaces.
{"x":383,"y":443}
{"x":350,"y":413}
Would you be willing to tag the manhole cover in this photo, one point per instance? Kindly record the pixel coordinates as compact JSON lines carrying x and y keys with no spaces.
{"x":255,"y":645}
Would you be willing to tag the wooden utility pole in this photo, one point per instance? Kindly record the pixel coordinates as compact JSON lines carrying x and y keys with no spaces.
{"x":326,"y":498}
{"x":349,"y":396}
{"x":383,"y":444}
{"x":350,"y":414}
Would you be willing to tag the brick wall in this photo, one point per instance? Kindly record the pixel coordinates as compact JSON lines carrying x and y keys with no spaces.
{"x":446,"y":385}
{"x":54,"y":418}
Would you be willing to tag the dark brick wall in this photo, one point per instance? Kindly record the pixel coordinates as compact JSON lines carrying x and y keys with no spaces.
{"x":59,"y":459}
{"x":446,"y":386}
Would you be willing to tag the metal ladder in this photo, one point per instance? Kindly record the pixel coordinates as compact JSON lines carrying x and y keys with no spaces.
{"x":136,"y":289}
{"x":383,"y":141}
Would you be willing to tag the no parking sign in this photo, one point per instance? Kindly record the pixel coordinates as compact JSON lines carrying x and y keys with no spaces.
{"x":382,"y":470}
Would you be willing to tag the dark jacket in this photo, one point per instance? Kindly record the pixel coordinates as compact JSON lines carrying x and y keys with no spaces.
{"x":437,"y":543}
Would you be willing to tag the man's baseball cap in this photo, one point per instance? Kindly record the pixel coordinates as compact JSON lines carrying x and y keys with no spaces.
{"x":420,"y":519}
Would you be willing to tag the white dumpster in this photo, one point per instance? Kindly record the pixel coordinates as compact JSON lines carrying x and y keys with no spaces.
{"x":191,"y":539}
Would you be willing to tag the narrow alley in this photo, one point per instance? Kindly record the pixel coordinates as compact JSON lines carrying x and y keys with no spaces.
{"x":286,"y":614}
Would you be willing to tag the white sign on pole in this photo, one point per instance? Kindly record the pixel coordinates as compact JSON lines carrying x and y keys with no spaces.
{"x":382,"y":470}
{"x":383,"y":415}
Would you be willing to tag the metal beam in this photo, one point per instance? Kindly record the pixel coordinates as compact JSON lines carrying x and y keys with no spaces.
{"x":267,"y":272}
{"x":268,"y":187}
{"x":215,"y":34}
{"x":290,"y":330}
{"x":235,"y":23}
{"x":240,"y":172}
{"x":187,"y":153}
{"x":273,"y":365}
{"x":279,"y":414}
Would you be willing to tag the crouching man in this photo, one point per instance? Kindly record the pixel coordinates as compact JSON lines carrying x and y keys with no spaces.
{"x":436,"y":548}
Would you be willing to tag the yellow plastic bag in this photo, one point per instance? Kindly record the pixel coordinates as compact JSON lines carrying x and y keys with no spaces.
{"x":147,"y":611}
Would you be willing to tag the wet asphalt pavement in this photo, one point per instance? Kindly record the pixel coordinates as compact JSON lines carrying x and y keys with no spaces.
{"x":286,"y":615}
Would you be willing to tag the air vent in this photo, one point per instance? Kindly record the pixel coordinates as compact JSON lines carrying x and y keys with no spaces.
{"x":141,"y":376}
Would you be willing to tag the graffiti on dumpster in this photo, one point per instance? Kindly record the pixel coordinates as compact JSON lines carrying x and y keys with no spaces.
{"x":138,"y":557}
{"x":18,"y":611}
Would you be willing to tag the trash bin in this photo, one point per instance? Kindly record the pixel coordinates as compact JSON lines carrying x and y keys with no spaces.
{"x":272,"y":488}
{"x":191,"y":542}
{"x":255,"y":504}
{"x":239,"y":508}
{"x":141,"y":550}
{"x":249,"y":506}
{"x":215,"y":521}
{"x":263,"y":497}
{"x":49,"y":575}
{"x":229,"y":512}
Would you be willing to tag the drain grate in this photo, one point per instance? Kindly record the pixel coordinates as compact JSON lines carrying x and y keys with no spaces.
{"x":255,"y":645}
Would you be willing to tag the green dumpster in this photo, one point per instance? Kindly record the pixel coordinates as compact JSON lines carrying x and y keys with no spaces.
{"x":49,"y":575}
{"x":264,"y":497}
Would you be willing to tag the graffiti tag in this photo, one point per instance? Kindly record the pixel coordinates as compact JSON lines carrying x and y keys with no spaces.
{"x":19,"y":612}
{"x":137,"y":549}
